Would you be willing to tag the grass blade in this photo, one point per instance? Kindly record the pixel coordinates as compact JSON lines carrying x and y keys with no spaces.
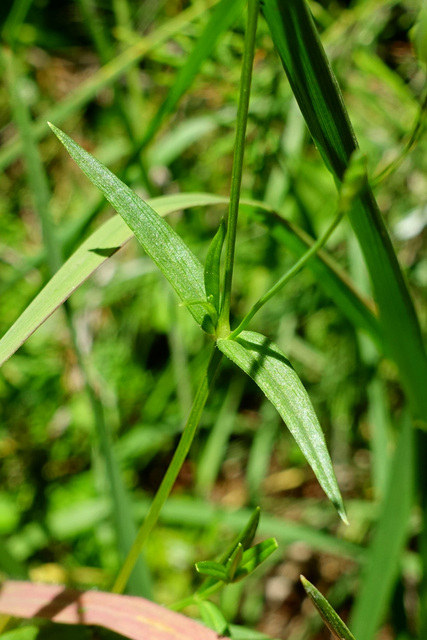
{"x":103,"y":243}
{"x":263,"y":361}
{"x":328,"y":614}
{"x":386,"y":549}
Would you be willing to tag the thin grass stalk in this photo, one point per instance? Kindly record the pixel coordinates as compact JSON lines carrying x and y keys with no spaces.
{"x":172,"y":472}
{"x":121,"y":511}
{"x":36,"y":176}
{"x":310,"y":253}
{"x":15,"y":19}
{"x":236,"y":175}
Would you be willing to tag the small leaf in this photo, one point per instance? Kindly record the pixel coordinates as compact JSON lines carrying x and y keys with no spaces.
{"x":244,"y":538}
{"x":255,"y":556}
{"x":268,"y":366}
{"x":246,"y":535}
{"x":166,"y":248}
{"x":233,"y":562}
{"x":213,"y":617}
{"x":328,"y":614}
{"x":212,"y":267}
{"x":212,"y":569}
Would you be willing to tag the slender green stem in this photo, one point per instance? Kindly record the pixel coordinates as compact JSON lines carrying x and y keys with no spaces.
{"x":239,"y":149}
{"x":412,"y":141}
{"x":320,"y":242}
{"x":172,"y":472}
{"x":36,"y":175}
{"x":197,"y":597}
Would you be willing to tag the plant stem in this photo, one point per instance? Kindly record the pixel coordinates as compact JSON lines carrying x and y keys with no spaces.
{"x":320,"y":242}
{"x":416,"y":134}
{"x":239,"y":149}
{"x":172,"y":472}
{"x":197,"y":597}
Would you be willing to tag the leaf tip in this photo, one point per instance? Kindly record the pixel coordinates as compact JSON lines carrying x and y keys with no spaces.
{"x":342,"y":513}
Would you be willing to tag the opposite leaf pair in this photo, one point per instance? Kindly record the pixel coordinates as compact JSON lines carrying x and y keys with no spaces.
{"x":254,"y":353}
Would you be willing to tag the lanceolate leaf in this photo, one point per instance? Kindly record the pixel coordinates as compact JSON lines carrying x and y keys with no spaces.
{"x":89,"y":256}
{"x":263,"y":361}
{"x":329,"y":615}
{"x":170,"y":253}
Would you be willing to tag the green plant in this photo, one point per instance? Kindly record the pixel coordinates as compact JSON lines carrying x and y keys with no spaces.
{"x":206,"y":293}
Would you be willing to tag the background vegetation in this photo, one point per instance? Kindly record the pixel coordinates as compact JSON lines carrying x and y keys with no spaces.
{"x":102,"y":71}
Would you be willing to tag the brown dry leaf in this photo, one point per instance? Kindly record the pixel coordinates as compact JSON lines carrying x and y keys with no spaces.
{"x":133,"y":617}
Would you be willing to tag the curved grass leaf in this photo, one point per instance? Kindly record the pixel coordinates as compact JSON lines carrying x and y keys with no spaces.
{"x":166,"y":248}
{"x":328,"y":614}
{"x":103,"y":243}
{"x":263,"y":361}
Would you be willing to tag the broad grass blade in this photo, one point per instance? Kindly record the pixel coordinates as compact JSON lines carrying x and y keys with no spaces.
{"x":103,"y":243}
{"x":263,"y":361}
{"x":385,"y":554}
{"x":321,"y":103}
